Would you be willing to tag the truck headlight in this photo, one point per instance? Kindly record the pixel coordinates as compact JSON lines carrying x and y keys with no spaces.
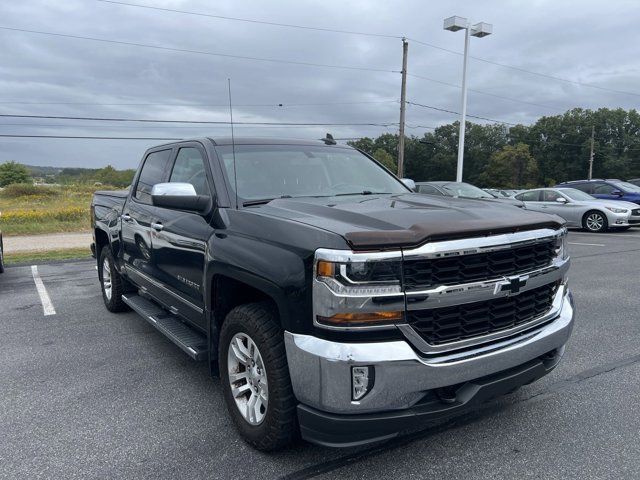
{"x":561,"y":245}
{"x":357,"y":290}
{"x":376,"y":277}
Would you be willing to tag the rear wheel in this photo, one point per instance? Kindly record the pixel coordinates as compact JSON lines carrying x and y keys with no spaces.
{"x":595,"y":221}
{"x":255,"y":377}
{"x":111,"y":282}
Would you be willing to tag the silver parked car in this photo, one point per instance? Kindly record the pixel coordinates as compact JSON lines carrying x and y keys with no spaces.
{"x":580,"y":209}
{"x":463,"y":190}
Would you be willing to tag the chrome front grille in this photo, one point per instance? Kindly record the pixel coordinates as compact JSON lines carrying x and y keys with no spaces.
{"x":459,"y":269}
{"x":438,"y":326}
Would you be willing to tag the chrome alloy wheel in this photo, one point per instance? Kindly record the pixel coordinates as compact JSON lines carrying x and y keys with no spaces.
{"x":595,"y":222}
{"x":248,"y":378}
{"x":106,"y":279}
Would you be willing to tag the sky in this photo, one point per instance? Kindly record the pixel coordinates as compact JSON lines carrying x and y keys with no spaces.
{"x":590,"y":48}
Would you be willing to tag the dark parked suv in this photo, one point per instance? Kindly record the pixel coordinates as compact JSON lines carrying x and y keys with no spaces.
{"x":610,"y":189}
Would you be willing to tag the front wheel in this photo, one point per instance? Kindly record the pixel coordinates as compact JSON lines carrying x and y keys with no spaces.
{"x":255,"y":377}
{"x":595,"y":222}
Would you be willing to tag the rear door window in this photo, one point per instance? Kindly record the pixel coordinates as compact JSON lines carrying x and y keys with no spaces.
{"x":153,"y":171}
{"x":585,"y":187}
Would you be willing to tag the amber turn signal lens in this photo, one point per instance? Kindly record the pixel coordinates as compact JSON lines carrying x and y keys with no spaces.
{"x":325,"y":269}
{"x":361,"y":318}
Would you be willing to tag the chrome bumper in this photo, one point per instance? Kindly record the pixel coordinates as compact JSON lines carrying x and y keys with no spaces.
{"x":321,"y":372}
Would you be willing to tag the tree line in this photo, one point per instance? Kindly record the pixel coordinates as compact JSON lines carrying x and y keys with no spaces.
{"x":16,"y":173}
{"x":553,"y":149}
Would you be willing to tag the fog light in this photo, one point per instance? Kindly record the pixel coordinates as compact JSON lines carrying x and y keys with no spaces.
{"x":362,"y":379}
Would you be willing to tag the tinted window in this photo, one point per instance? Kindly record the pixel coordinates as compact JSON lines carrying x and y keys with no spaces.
{"x":528,"y":196}
{"x":189,"y":168}
{"x":550,"y":196}
{"x":584,"y":187}
{"x":428,"y":189}
{"x":603,"y":189}
{"x":152,"y":172}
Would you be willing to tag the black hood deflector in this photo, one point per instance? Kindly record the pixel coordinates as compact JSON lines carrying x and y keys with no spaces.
{"x":408,"y":220}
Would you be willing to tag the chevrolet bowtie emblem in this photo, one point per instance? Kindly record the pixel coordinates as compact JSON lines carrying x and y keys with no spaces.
{"x":511,"y":285}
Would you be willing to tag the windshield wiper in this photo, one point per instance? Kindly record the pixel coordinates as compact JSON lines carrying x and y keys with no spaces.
{"x":364,"y":192}
{"x":262,"y":201}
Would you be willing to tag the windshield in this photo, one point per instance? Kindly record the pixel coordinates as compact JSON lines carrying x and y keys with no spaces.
{"x":575,"y":194}
{"x":461,"y":189}
{"x":627,"y":187}
{"x":274,"y":171}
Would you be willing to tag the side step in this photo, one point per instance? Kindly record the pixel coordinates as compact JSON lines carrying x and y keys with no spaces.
{"x":185,"y":337}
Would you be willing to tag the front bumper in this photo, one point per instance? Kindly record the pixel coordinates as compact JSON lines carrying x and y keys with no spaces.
{"x":406,"y":382}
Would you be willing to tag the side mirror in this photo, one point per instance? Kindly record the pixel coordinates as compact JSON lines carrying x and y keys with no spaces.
{"x":409,"y":184}
{"x":617,"y":192}
{"x":180,"y":196}
{"x":561,"y":200}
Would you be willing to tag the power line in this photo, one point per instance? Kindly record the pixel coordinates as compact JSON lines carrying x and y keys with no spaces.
{"x":86,"y":137}
{"x":458,"y":113}
{"x":275,"y":105}
{"x":207,"y":122}
{"x":370,"y":34}
{"x":246,"y":20}
{"x":198,"y":52}
{"x":485,"y":93}
{"x":191,"y":127}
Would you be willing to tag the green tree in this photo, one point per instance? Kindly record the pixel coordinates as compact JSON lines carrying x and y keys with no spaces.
{"x":511,"y":167}
{"x":386,"y":159}
{"x":12,"y":172}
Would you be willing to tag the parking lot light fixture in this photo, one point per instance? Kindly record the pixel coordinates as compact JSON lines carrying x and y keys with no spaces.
{"x":482,"y":29}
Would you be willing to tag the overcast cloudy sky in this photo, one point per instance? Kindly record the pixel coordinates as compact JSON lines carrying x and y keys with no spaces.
{"x":590,"y":42}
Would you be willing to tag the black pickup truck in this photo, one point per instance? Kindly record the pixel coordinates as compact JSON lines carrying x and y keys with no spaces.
{"x":332,"y":301}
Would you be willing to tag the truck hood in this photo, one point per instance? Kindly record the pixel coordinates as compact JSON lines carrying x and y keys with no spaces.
{"x":406,"y":220}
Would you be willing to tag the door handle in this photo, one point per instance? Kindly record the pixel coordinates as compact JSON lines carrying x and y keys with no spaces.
{"x":126,"y":217}
{"x":157,"y":226}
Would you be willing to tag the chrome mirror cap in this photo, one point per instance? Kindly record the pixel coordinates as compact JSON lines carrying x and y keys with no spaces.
{"x":175,"y":189}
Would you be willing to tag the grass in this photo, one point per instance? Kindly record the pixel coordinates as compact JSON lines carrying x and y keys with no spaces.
{"x":28,"y":209}
{"x":41,"y":257}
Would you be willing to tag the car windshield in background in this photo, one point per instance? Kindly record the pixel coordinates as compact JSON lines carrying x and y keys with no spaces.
{"x":575,"y":194}
{"x":266,"y":172}
{"x":465,"y":190}
{"x":627,"y":187}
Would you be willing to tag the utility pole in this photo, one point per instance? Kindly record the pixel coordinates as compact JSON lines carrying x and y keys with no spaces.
{"x":593,"y":130}
{"x":463,"y":114}
{"x":403,"y":106}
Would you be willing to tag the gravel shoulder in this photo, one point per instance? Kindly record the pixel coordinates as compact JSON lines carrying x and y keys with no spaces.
{"x":43,"y":243}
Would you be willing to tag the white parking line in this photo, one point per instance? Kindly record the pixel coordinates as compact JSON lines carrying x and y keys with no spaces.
{"x":587,"y":244}
{"x":619,"y":235}
{"x":47,"y":306}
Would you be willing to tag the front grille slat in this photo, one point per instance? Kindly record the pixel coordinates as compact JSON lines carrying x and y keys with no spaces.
{"x":429,"y":272}
{"x":460,"y":322}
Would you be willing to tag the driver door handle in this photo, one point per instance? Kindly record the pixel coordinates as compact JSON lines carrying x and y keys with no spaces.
{"x":157,"y":226}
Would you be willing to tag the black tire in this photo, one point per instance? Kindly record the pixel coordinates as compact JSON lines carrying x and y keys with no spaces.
{"x":279,"y":426}
{"x":119,"y":285}
{"x":591,"y":226}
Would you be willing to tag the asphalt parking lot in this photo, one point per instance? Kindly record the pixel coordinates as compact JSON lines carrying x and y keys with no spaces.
{"x":89,"y":394}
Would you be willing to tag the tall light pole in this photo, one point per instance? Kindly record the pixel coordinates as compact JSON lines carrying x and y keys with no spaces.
{"x":482,"y":29}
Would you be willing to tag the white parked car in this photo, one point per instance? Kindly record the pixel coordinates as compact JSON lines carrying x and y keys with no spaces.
{"x":580,"y":209}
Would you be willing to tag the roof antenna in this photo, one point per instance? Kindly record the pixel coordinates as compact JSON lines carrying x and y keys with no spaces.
{"x":328,"y":140}
{"x":233,"y":145}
